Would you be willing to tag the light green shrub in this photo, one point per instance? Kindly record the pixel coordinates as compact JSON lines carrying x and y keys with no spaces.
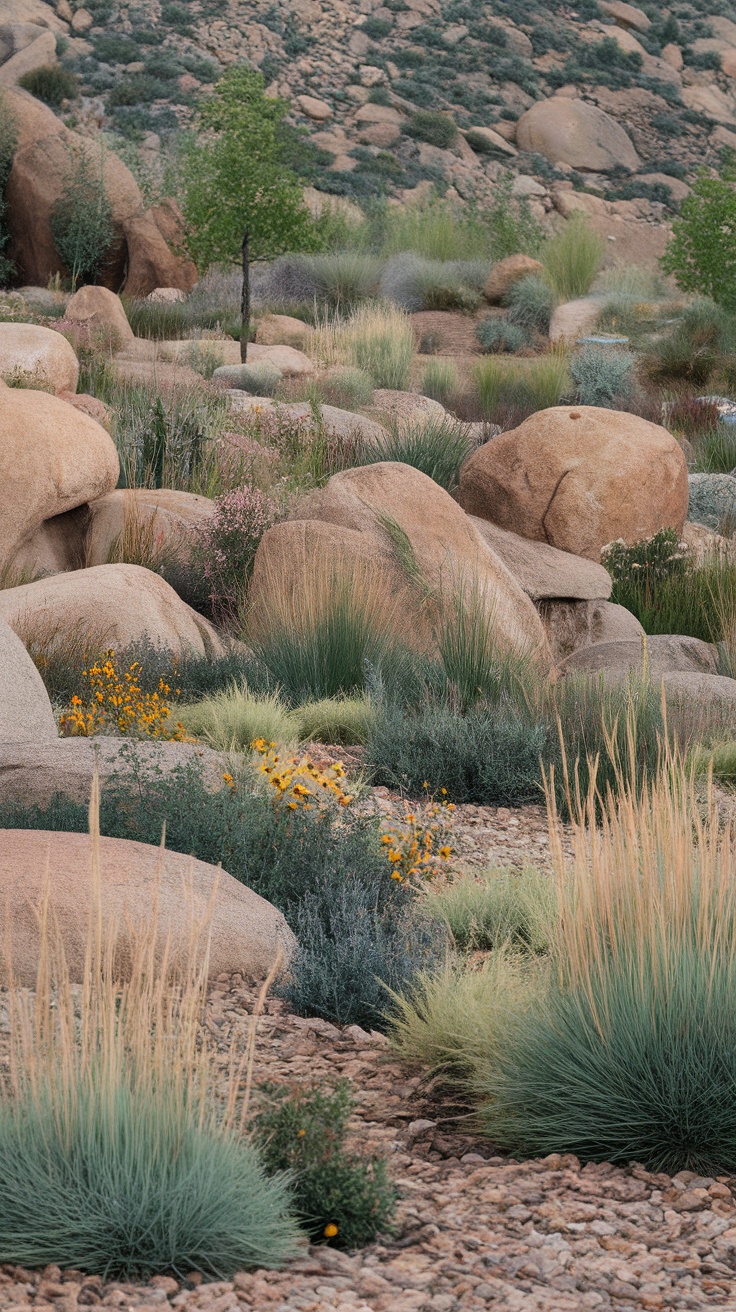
{"x":440,"y":380}
{"x":530,"y":303}
{"x":342,"y":721}
{"x":232,"y":719}
{"x":572,"y":258}
{"x":498,"y":335}
{"x":494,"y":908}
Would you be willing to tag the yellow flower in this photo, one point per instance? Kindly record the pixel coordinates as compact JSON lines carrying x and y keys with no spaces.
{"x":445,"y":853}
{"x":330,"y":1230}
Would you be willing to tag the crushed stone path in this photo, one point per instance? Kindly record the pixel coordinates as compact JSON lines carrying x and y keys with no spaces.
{"x":474,"y":1229}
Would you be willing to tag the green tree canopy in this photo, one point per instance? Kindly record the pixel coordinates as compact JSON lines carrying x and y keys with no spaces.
{"x":702,"y":251}
{"x":235,"y":177}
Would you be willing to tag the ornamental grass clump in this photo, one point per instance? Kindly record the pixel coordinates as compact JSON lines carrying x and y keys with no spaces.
{"x":116,"y":1156}
{"x":376,"y":338}
{"x":437,"y":447}
{"x":631,"y":1055}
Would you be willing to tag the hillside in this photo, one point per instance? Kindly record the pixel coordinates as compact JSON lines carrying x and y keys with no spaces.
{"x":366,"y":81}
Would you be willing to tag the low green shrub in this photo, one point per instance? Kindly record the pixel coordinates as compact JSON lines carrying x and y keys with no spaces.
{"x":524,"y":384}
{"x":486,"y":756}
{"x":437,"y":447}
{"x":342,"y":721}
{"x":691,"y":350}
{"x":440,"y":380}
{"x":602,"y":376}
{"x":436,"y":230}
{"x":433,"y":127}
{"x":669,"y":592}
{"x":339,"y":1197}
{"x":572,"y":258}
{"x":353,"y":944}
{"x":260,"y":379}
{"x":52,"y":83}
{"x":497,"y":335}
{"x":382,"y":345}
{"x":496,"y":908}
{"x":348,"y":389}
{"x":512,"y":228}
{"x":714,"y":451}
{"x":530,"y":303}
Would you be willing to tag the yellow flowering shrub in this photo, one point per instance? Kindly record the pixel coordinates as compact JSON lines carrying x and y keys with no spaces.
{"x":296,"y":780}
{"x":421,"y":847}
{"x":115,"y":703}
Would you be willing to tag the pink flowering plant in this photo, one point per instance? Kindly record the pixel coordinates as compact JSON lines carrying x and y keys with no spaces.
{"x":227,"y":546}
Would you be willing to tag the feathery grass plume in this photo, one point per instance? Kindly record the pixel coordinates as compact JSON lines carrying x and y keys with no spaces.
{"x":342,"y":721}
{"x":376,"y":338}
{"x":317,"y":636}
{"x":437,"y":447}
{"x":231,"y":719}
{"x":143,"y":538}
{"x":116,"y":1156}
{"x":632,"y":1053}
{"x":572,"y":258}
{"x":496,"y":907}
{"x":452,"y":1021}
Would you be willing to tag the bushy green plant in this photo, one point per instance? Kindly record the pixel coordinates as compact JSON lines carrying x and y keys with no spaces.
{"x":495,"y":908}
{"x":527,"y":384}
{"x":339,"y":1197}
{"x":691,"y":350}
{"x":348,"y":389}
{"x":382,"y":345}
{"x":336,"y":720}
{"x":344,"y":279}
{"x":602,"y":376}
{"x":669,"y":591}
{"x":351,"y":946}
{"x":714,"y":451}
{"x":259,"y":379}
{"x":440,"y":380}
{"x":435,"y":230}
{"x":529,"y":303}
{"x":700,"y":254}
{"x":497,"y":335}
{"x":416,"y":283}
{"x":52,"y":83}
{"x":572,"y":258}
{"x":437,"y":447}
{"x":512,"y":227}
{"x":485,"y":756}
{"x":433,"y":127}
{"x":81,"y":220}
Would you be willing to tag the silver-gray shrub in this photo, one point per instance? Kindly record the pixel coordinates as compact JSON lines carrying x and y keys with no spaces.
{"x":602,"y":375}
{"x":415,"y":283}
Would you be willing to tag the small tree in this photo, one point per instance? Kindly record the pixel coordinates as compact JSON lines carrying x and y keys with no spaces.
{"x":702,"y":251}
{"x":240,"y":198}
{"x":81,"y":221}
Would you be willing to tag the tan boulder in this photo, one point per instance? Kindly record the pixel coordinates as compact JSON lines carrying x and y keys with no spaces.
{"x":116,"y":605}
{"x":663,"y":654}
{"x":712,"y":102}
{"x":625,"y":14}
{"x":46,"y":154}
{"x":544,"y":571}
{"x":35,"y":356}
{"x":492,"y":142}
{"x":33,"y":772}
{"x":91,"y":406}
{"x":579,"y":477}
{"x":162,"y":519}
{"x":504,"y":274}
{"x":624,"y":39}
{"x":26,"y":715}
{"x":398,"y":523}
{"x":318,"y":110}
{"x":102,"y":311}
{"x":281,"y":330}
{"x":575,"y":625}
{"x":402,"y":408}
{"x":137,"y":882}
{"x":570,"y":131}
{"x":37,"y":54}
{"x":53,"y":461}
{"x":166,"y":296}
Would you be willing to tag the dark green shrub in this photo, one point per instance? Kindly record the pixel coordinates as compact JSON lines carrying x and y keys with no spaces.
{"x":497,"y":335}
{"x":352,"y":940}
{"x":692,"y":349}
{"x":376,"y":28}
{"x":669,"y":592}
{"x":511,"y":224}
{"x":530,"y":303}
{"x":339,"y":1197}
{"x":602,"y":376}
{"x":490,"y":755}
{"x":702,"y":251}
{"x":714,"y":451}
{"x":136,"y":89}
{"x":52,"y":84}
{"x":435,"y":128}
{"x":178,"y":17}
{"x":115,"y":48}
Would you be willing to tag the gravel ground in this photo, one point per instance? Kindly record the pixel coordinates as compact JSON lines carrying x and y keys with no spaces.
{"x":475,"y":1229}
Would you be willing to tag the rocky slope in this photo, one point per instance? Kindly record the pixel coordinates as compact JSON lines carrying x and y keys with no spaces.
{"x":363,"y":76}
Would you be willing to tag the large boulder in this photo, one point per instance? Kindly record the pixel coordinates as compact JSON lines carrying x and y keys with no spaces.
{"x":407,"y":532}
{"x":102,"y":312}
{"x":712,"y":499}
{"x":569,"y":131}
{"x":544,"y":571}
{"x":572,"y":626}
{"x":53,"y":461}
{"x":287,"y":359}
{"x":662,"y":653}
{"x":504,"y":274}
{"x":116,"y":605}
{"x":32,"y":772}
{"x":37,"y":53}
{"x":25,"y":710}
{"x":137,"y":883}
{"x":47,"y":152}
{"x":37,"y":357}
{"x":579,"y":477}
{"x":574,"y":319}
{"x":282,"y":330}
{"x":164,"y":519}
{"x":405,"y":408}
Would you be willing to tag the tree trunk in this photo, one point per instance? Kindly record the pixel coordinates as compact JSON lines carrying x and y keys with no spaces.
{"x":245,"y":300}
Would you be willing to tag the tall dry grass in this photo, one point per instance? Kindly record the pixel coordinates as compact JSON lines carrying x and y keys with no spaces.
{"x":377,"y":338}
{"x":119,"y":1153}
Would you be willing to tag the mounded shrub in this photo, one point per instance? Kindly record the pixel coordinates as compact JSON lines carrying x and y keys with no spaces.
{"x":497,"y":335}
{"x":602,"y":375}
